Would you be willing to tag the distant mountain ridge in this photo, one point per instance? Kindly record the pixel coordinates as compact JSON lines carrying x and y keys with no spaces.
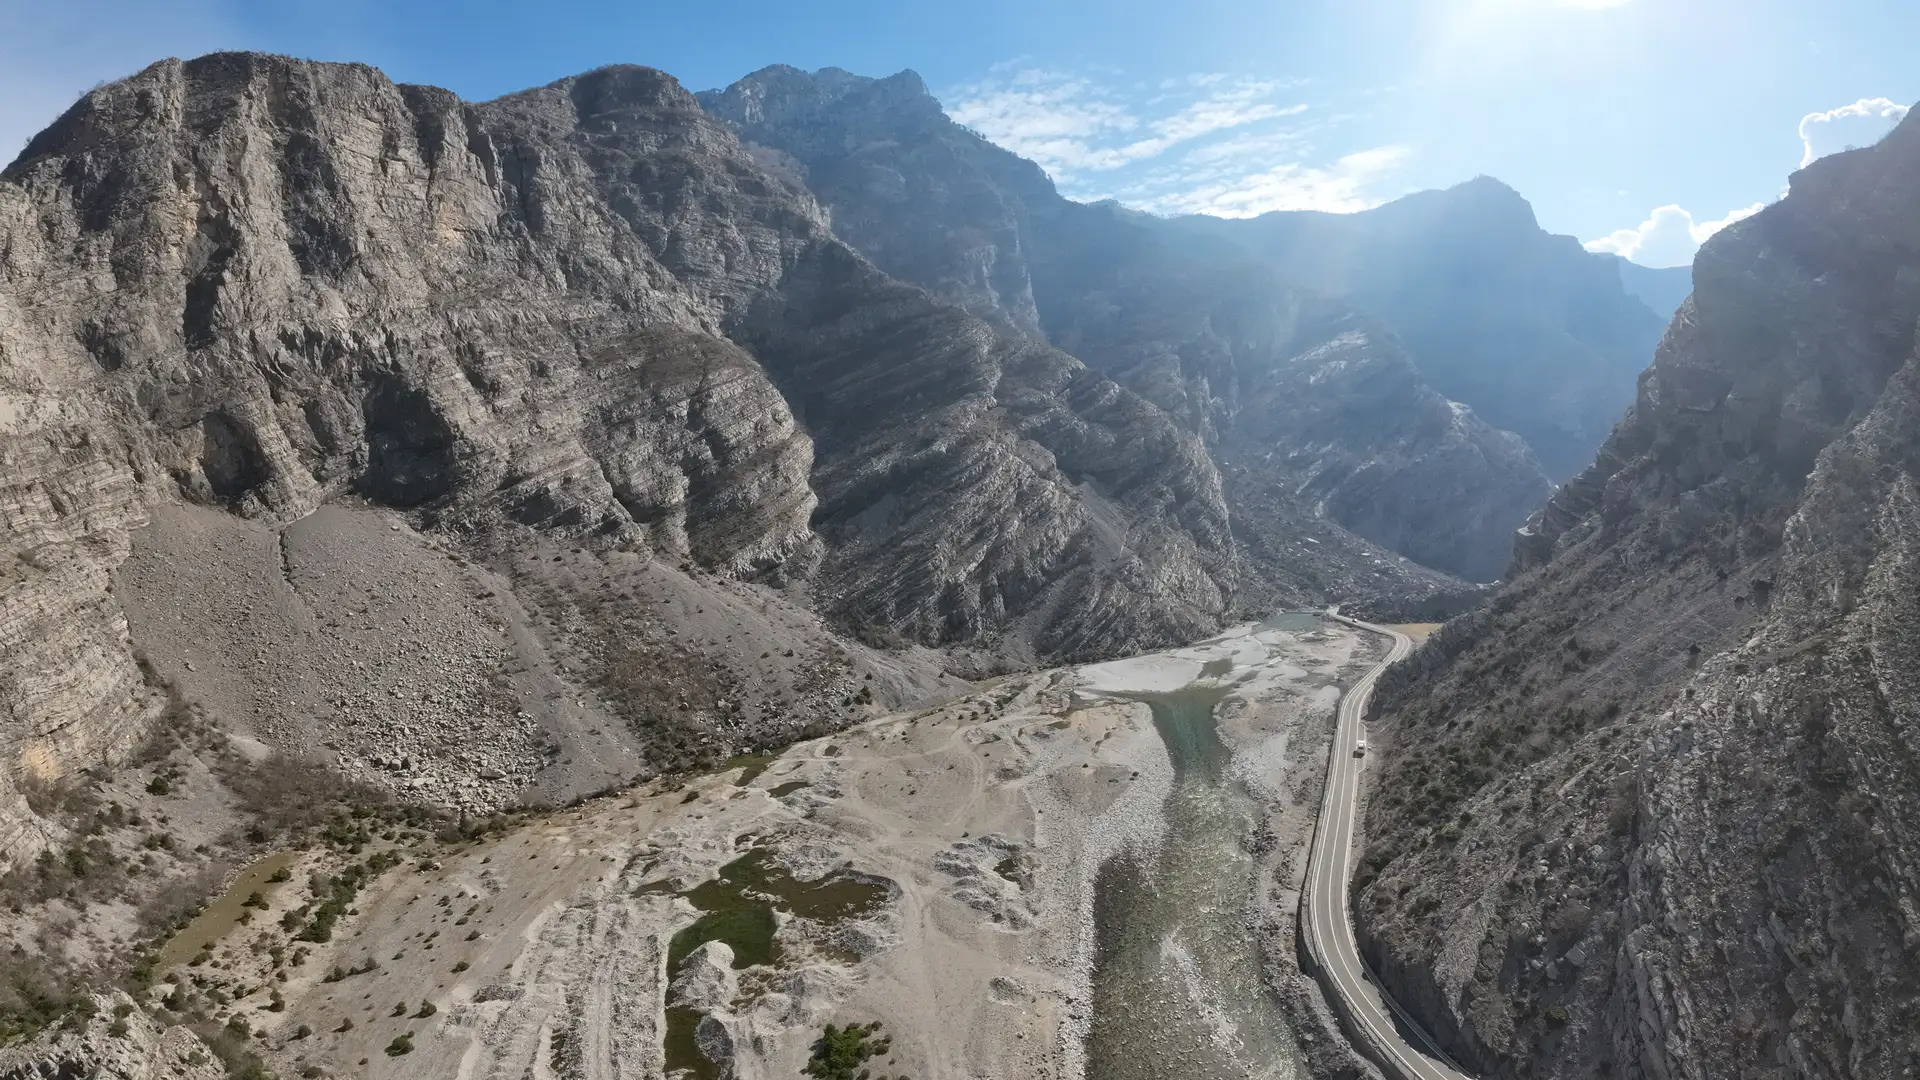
{"x":1663,"y":289}
{"x":1539,"y":335}
{"x":1202,"y":329}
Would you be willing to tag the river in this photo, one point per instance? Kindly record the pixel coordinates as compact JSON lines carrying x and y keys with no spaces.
{"x":1177,"y":993}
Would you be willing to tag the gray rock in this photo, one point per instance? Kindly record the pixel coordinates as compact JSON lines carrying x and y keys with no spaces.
{"x":706,"y":980}
{"x":1690,"y":715}
{"x":106,"y":1046}
{"x":262,"y":284}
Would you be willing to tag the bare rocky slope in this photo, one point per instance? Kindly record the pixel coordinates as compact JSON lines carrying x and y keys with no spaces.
{"x":1317,"y":416}
{"x":1652,"y":812}
{"x":580,"y":316}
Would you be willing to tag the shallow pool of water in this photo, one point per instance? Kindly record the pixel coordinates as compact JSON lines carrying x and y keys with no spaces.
{"x":1293,"y":620}
{"x":225,"y":913}
{"x":738,"y":907}
{"x":1177,"y":993}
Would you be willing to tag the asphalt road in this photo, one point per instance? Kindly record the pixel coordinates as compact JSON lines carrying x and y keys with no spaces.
{"x":1396,"y":1042}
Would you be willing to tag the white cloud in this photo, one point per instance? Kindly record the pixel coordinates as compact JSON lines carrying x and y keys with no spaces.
{"x":1668,"y":237}
{"x":1072,"y":125}
{"x":1247,"y":150}
{"x":1059,"y":120}
{"x":1862,"y":123}
{"x":1210,"y":143}
{"x":1345,"y":186}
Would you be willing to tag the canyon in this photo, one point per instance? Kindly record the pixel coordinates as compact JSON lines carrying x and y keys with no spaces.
{"x":571,"y":516}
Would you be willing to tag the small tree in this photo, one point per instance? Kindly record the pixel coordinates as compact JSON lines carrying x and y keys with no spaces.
{"x":840,"y":1053}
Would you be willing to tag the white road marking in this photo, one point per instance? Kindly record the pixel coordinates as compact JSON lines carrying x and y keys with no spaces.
{"x":1329,"y":922}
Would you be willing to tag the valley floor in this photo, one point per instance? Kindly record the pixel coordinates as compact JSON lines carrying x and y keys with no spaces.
{"x":933,"y":871}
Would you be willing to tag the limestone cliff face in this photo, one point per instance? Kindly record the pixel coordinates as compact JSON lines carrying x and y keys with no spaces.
{"x":1652,"y":813}
{"x":1202,"y":330}
{"x":262,"y":283}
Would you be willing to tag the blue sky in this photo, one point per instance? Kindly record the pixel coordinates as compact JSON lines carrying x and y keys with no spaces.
{"x":1636,"y":125}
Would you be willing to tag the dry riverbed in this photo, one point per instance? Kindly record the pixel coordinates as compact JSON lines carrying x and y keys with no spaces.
{"x":934,"y":871}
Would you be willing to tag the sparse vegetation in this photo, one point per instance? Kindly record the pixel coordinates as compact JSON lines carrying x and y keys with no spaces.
{"x":341,"y":889}
{"x":841,"y":1053}
{"x":229,"y":1043}
{"x":36,"y":990}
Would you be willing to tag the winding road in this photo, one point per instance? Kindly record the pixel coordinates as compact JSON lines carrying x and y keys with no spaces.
{"x":1380,"y":1028}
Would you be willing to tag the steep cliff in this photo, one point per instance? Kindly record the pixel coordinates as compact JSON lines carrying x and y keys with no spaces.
{"x":1652,"y":812}
{"x":1203,"y":330}
{"x":263,"y":284}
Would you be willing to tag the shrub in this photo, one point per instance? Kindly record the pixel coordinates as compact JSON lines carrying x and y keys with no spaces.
{"x":401,"y":1044}
{"x":229,"y":1045}
{"x":841,"y":1053}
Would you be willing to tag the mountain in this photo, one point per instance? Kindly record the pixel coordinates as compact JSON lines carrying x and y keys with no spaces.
{"x":581,"y":314}
{"x":1652,"y":811}
{"x":1537,"y":334}
{"x":482,"y":451}
{"x":1663,"y":289}
{"x":1319,"y":411}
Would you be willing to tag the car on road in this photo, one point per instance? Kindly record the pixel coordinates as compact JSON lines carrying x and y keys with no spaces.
{"x":1360,"y":748}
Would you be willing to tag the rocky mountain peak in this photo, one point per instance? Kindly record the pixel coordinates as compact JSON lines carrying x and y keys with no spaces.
{"x":780,"y":94}
{"x":619,"y":87}
{"x":1482,"y":204}
{"x":585,"y":315}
